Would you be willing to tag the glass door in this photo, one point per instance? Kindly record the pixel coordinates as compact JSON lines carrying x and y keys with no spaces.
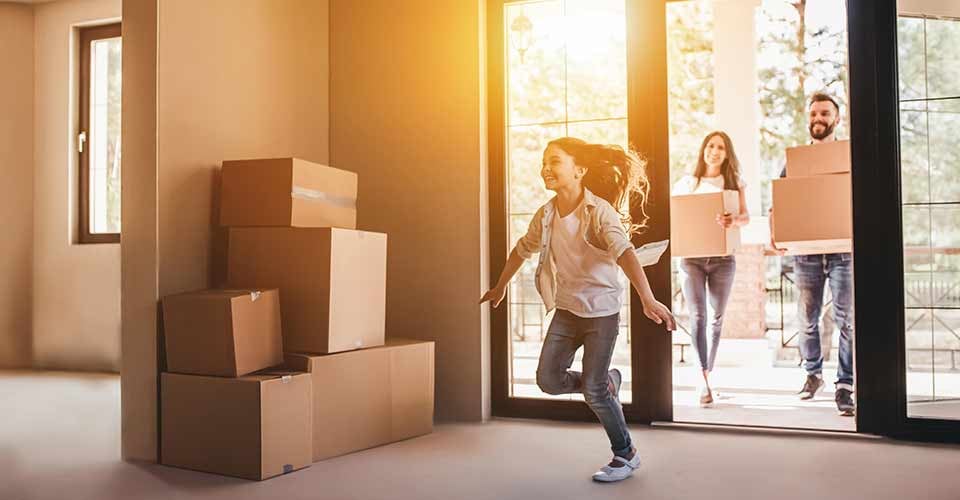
{"x":929,"y":99}
{"x":557,"y":68}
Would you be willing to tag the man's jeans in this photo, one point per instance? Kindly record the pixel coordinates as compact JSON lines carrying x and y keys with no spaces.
{"x":812,"y":272}
{"x":566,"y":334}
{"x":701,"y":277}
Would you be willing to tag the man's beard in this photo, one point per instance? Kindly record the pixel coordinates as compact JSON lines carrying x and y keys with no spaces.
{"x":827,"y":130}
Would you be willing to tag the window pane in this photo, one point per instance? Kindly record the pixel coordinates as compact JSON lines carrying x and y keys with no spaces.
{"x":596,"y":55}
{"x":603,"y":132}
{"x":919,"y":343}
{"x":910,"y":61}
{"x":944,"y":155}
{"x":915,"y":173}
{"x":536,"y":91}
{"x":930,"y":164}
{"x":943,"y":74}
{"x":917,"y":259}
{"x":104,"y":136}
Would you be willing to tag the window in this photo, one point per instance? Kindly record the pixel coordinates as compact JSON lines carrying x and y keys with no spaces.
{"x":930,"y":195}
{"x":556,"y":49}
{"x":98,"y":138}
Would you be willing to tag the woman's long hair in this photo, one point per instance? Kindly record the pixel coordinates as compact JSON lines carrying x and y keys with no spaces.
{"x":618,"y":176}
{"x":730,"y":170}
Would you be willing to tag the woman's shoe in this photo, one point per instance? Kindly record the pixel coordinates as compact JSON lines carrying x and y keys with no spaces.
{"x":706,"y":398}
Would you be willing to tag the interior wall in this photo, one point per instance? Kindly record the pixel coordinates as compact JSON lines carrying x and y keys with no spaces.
{"x":76,"y":288}
{"x":407,"y":113}
{"x":232,"y":79}
{"x":16,"y":190}
{"x":139,"y":370}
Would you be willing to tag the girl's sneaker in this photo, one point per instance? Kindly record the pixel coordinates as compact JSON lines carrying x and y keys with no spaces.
{"x":618,"y":469}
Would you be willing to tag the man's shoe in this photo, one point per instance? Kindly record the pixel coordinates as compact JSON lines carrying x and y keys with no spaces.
{"x":845,"y":405}
{"x":811,"y":386}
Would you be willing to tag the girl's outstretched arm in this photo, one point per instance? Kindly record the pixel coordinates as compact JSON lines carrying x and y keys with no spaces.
{"x":525,"y":248}
{"x":657,"y":312}
{"x":495,"y":295}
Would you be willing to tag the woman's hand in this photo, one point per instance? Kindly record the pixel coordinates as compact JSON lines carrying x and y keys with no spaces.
{"x":726,"y":220}
{"x":659,"y":314}
{"x":494,"y":295}
{"x":777,"y":250}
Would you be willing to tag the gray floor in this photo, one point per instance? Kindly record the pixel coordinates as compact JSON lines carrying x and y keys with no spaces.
{"x":60,"y":439}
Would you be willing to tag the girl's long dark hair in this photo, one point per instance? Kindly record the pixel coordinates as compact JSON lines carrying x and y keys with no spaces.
{"x":618,"y":176}
{"x":730,"y":170}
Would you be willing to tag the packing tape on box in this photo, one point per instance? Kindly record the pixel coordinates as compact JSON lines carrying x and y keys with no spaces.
{"x":254,"y":296}
{"x":286,"y":379}
{"x":302,"y":193}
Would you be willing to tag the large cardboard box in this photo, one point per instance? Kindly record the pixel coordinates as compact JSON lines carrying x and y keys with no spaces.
{"x":813,"y":215}
{"x":254,"y":427}
{"x":227,"y":333}
{"x":332,"y":283}
{"x":693,"y":226}
{"x":819,"y":159}
{"x":287,"y":192}
{"x":369,"y":397}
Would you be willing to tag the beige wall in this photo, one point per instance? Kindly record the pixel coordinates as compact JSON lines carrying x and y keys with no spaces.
{"x":407,"y":114}
{"x":232,"y":79}
{"x":76,"y":295}
{"x":138,"y":370}
{"x":16,"y":190}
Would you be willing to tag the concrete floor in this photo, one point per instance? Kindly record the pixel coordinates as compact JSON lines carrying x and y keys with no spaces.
{"x":60,"y":439}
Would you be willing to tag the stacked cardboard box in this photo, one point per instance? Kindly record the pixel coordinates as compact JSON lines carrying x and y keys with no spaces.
{"x":693,"y":224}
{"x":292,"y":232}
{"x":812,"y":205}
{"x":222,"y":409}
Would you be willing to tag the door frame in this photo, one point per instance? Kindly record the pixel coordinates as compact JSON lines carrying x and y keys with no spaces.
{"x":880,"y":362}
{"x":646,"y":51}
{"x":878,"y":229}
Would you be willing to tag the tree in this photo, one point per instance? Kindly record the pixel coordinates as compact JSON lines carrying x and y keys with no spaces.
{"x":795,"y":60}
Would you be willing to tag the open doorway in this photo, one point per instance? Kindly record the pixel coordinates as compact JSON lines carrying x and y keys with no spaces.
{"x":749,"y":69}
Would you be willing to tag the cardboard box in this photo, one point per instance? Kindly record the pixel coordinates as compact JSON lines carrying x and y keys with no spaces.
{"x":226,"y":333}
{"x":287,"y":192}
{"x":369,"y":397}
{"x":693,"y":226}
{"x":254,"y":427}
{"x":332,"y":283}
{"x":819,"y":159}
{"x":813,"y":215}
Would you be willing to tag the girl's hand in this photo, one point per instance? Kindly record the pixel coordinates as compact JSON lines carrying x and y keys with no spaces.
{"x":494,"y":295}
{"x":725,"y":220}
{"x":659,"y":314}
